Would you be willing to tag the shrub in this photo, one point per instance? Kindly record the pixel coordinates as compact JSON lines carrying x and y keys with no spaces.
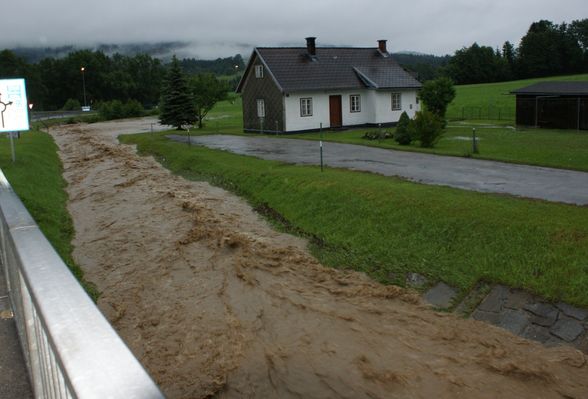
{"x":402,"y":135}
{"x":427,"y":128}
{"x":111,"y":110}
{"x":133,"y":108}
{"x":116,"y":109}
{"x":71,"y":105}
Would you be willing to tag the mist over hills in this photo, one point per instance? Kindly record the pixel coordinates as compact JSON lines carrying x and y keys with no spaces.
{"x":424,"y":65}
{"x":165,"y":50}
{"x":161,"y":50}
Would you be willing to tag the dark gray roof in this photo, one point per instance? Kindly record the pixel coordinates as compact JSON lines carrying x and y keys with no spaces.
{"x":578,"y":88}
{"x":334,"y":68}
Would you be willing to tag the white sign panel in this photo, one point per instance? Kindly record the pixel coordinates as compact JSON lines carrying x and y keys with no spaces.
{"x":14,"y":111}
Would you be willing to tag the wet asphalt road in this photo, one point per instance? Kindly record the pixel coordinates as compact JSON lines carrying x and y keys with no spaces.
{"x":469,"y":174}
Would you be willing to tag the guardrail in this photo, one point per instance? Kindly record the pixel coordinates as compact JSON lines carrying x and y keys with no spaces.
{"x":45,"y":115}
{"x":70,"y":349}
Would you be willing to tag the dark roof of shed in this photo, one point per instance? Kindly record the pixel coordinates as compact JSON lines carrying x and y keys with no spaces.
{"x":555,"y":88}
{"x":334,"y":68}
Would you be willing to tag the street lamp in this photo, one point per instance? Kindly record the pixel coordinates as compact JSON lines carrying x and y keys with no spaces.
{"x":84,"y":86}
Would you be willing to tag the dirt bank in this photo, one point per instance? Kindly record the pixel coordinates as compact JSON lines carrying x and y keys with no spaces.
{"x":216,"y":303}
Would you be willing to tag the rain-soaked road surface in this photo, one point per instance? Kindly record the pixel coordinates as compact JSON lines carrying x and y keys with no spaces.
{"x":470,"y":174}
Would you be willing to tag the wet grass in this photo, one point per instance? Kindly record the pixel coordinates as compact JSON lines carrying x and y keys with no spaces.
{"x":36,"y":177}
{"x":387,"y":227}
{"x":565,"y":149}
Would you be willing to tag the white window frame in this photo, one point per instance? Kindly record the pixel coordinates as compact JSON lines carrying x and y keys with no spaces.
{"x":306,"y":106}
{"x":260,"y":108}
{"x":396,"y":101}
{"x":354,"y":105}
{"x":259,"y":71}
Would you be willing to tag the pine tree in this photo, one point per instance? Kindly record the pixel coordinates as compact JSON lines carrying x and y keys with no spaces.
{"x":177,"y":107}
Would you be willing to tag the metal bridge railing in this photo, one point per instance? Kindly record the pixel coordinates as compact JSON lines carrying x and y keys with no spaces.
{"x":70,"y":349}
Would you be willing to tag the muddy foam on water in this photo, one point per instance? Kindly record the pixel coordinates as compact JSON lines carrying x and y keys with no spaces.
{"x":215,"y":303}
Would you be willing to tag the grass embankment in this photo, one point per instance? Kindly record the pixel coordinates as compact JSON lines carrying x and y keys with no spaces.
{"x":36,"y":177}
{"x":387,"y":227}
{"x":492,"y":100}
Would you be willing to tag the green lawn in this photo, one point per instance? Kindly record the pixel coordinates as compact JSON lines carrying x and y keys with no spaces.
{"x":387,"y":227}
{"x":478,"y":100}
{"x":36,"y":178}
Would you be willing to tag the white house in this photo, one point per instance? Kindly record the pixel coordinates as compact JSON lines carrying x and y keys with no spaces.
{"x":290,"y":89}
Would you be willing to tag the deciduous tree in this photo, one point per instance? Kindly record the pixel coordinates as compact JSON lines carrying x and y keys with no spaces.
{"x":206,"y":92}
{"x":436,"y":96}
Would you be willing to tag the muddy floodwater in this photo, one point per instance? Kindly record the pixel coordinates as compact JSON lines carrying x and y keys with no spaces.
{"x":214,"y":302}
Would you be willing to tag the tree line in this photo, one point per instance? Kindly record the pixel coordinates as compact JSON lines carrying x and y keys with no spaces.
{"x":547,"y":49}
{"x":53,"y":83}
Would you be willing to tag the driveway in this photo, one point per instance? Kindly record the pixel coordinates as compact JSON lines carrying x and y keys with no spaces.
{"x":469,"y":174}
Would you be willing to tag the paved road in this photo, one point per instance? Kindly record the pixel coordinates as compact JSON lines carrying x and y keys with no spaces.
{"x":470,"y":174}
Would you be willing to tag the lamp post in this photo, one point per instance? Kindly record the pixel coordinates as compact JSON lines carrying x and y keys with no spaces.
{"x":83,"y":69}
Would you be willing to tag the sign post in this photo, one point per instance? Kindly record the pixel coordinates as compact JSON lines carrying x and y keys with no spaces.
{"x":321,"y":145}
{"x":14,"y":109}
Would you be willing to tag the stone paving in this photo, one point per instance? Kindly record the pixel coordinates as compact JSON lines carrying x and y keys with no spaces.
{"x":14,"y":380}
{"x":515,"y":310}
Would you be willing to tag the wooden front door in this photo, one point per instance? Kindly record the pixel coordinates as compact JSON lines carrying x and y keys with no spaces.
{"x":335,"y":111}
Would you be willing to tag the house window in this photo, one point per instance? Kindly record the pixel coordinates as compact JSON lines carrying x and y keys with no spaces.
{"x":260,"y":108}
{"x":396,"y":105}
{"x":306,"y":107}
{"x":259,"y":71}
{"x":354,"y":103}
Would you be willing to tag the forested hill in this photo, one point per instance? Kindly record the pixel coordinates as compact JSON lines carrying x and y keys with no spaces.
{"x":220,"y":66}
{"x":161,"y":50}
{"x":425,"y":66}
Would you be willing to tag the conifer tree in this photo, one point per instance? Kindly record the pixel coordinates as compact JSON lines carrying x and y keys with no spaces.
{"x":177,"y":107}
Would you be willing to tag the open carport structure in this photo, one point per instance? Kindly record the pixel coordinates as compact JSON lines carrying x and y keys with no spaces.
{"x":554,"y":105}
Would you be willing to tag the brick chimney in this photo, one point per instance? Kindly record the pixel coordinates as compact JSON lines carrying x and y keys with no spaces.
{"x":382,"y":46}
{"x":311,"y":46}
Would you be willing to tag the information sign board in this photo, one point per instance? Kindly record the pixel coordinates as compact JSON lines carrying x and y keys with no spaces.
{"x":14,"y":111}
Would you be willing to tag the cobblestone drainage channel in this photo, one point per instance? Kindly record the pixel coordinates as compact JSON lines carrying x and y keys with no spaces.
{"x":521,"y":313}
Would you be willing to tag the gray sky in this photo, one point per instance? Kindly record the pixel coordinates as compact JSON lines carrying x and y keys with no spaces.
{"x":224,"y":27}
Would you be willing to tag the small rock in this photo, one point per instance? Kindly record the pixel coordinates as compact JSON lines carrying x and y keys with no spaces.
{"x":544,"y":313}
{"x":537,"y":333}
{"x":554,"y":341}
{"x":489,"y":317}
{"x":514,"y":321}
{"x":541,"y":309}
{"x":493,"y":302}
{"x":567,"y":329}
{"x":582,"y":343}
{"x":572,"y":311}
{"x":472,"y":299}
{"x":440,"y":296}
{"x":517,"y":299}
{"x":416,"y":280}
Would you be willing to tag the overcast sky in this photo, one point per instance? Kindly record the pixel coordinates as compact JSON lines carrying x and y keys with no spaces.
{"x":223,"y":27}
